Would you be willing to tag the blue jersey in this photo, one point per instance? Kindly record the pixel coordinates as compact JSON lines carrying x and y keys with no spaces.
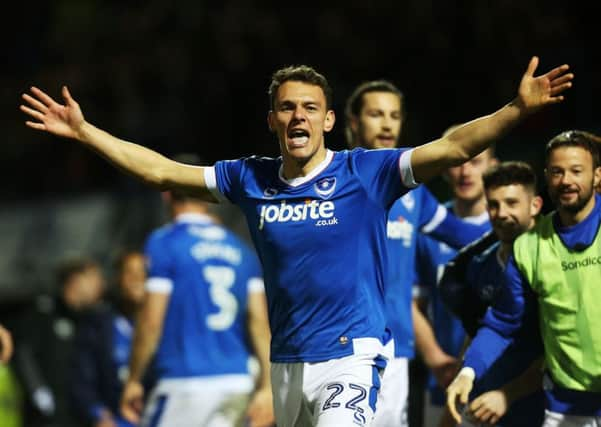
{"x":322,"y":243}
{"x":208,"y":272}
{"x":432,"y":255}
{"x":416,"y":211}
{"x":485,"y":275}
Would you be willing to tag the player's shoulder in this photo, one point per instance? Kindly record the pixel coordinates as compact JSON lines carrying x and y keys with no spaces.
{"x":259,"y":163}
{"x":160,"y":234}
{"x":543,"y":229}
{"x":484,"y":253}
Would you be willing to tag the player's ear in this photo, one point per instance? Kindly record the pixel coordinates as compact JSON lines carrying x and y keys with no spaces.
{"x":329,"y":121}
{"x":536,"y":205}
{"x":597,"y":178}
{"x":270,"y":123}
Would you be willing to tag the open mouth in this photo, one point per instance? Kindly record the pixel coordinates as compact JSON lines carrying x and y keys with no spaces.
{"x":299,"y":137}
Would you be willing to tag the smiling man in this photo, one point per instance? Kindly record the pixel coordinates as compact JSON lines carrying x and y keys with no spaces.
{"x":324,"y":280}
{"x":552,"y":277}
{"x":473,"y":282}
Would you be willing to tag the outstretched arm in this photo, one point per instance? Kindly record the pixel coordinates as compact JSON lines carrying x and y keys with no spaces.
{"x":470,"y":139}
{"x":154,"y":169}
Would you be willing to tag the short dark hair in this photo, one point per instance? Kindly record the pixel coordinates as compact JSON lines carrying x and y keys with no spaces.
{"x":575,"y":138}
{"x":299,"y":73}
{"x":72,"y":266}
{"x":508,"y":173}
{"x":355,"y":102}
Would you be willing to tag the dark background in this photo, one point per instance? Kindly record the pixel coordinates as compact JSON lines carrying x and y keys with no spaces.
{"x":192,"y":76}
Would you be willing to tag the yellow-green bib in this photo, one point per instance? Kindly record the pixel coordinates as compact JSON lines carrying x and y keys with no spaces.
{"x":568,"y":285}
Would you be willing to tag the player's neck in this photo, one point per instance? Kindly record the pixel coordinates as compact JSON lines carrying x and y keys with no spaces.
{"x":297,"y":168}
{"x":467,"y":208}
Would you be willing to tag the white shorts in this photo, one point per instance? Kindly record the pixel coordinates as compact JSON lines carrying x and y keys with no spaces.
{"x":217,"y":401}
{"x":338,"y":392}
{"x":391,"y":410}
{"x":555,"y":419}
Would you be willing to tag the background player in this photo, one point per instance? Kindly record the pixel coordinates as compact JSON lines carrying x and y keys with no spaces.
{"x":374,"y":118}
{"x":443,"y":340}
{"x":474,"y":280}
{"x":204,"y":300}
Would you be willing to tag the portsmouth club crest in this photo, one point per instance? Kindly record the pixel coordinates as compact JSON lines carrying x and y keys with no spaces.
{"x":325,"y":187}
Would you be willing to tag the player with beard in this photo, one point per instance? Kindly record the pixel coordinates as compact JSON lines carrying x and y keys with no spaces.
{"x":326,"y":311}
{"x":374,"y":120}
{"x":552,"y":276}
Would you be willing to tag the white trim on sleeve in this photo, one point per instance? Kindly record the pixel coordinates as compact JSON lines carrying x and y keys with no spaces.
{"x":211,"y":183}
{"x":255,"y":285}
{"x":439,"y":216}
{"x":405,"y":169}
{"x":468,"y":372}
{"x":159,"y":285}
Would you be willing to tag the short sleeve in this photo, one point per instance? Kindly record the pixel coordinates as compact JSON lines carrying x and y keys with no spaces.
{"x":158,"y":265}
{"x":386,"y":173}
{"x":228,"y":180}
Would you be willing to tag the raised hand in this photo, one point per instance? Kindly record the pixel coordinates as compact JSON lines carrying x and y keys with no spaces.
{"x":50,"y":116}
{"x":537,"y":92}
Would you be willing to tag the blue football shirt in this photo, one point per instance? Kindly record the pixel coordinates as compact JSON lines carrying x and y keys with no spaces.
{"x":208,"y":272}
{"x":418,"y":211}
{"x":322,"y":243}
{"x":432,"y":255}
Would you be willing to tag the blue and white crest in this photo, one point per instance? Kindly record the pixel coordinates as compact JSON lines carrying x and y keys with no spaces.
{"x":325,"y":187}
{"x":269,"y":193}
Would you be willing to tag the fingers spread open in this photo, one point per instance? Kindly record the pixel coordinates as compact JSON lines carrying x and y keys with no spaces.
{"x":42,"y":96}
{"x":532,"y":65}
{"x":34,"y":103}
{"x":557,"y":71}
{"x":33,"y":113}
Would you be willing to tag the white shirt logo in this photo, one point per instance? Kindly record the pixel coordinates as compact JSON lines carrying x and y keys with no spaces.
{"x":321,"y":211}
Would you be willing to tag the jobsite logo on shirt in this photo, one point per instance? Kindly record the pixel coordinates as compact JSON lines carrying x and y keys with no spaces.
{"x":319,"y":211}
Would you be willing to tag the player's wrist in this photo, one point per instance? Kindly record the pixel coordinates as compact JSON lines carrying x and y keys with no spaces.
{"x":467,"y":372}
